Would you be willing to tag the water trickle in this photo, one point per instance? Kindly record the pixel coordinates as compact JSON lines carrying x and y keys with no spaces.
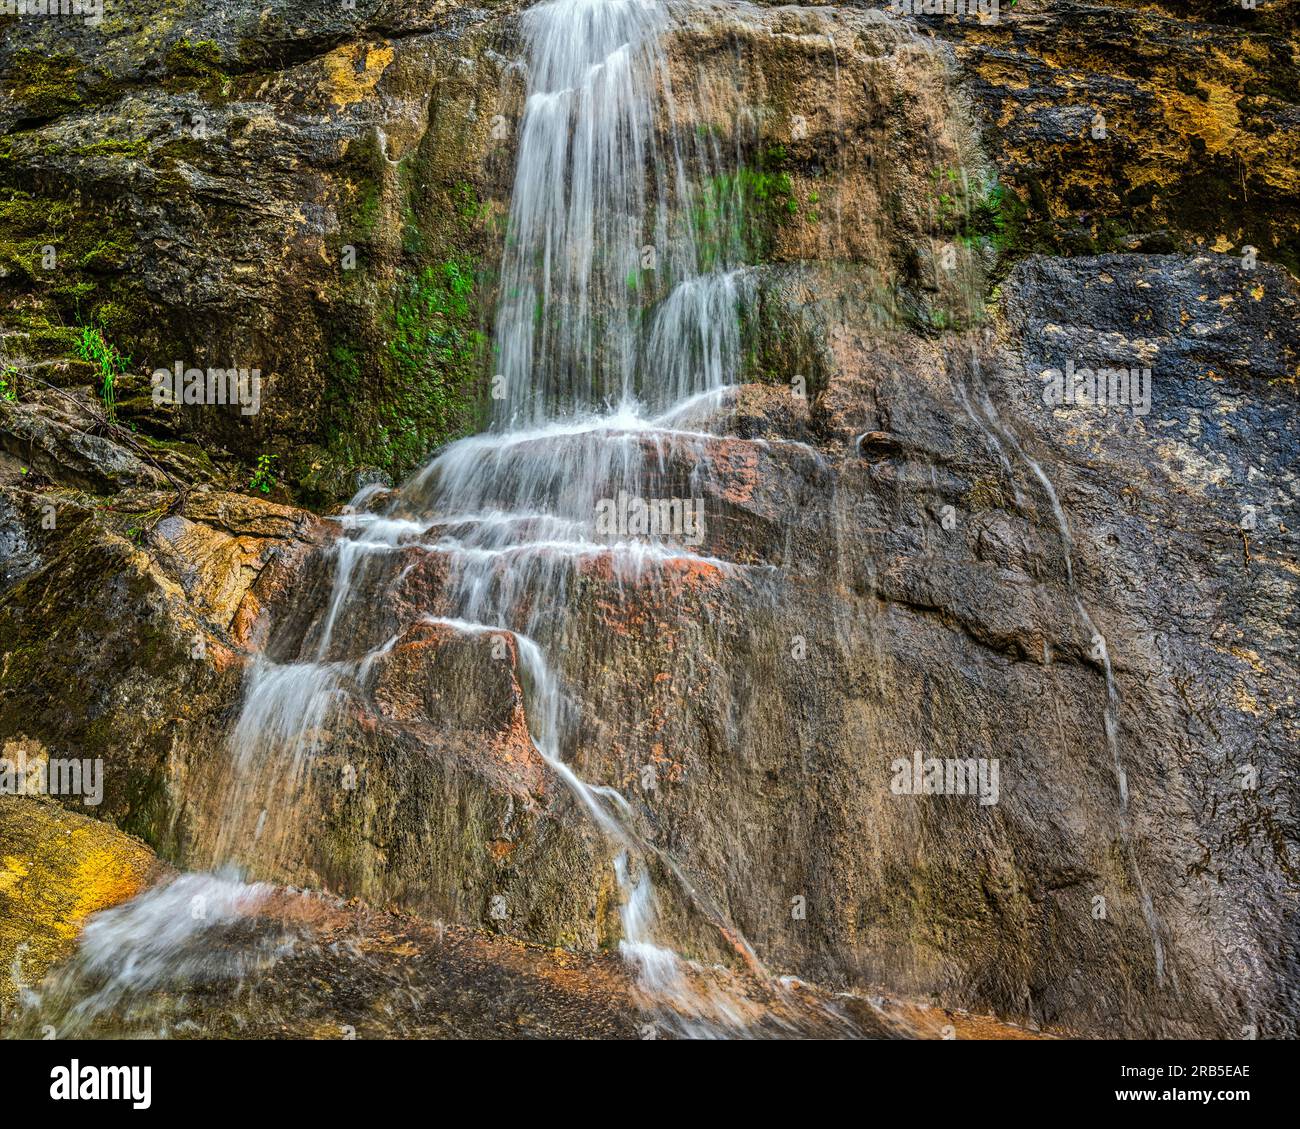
{"x":1001,"y":438}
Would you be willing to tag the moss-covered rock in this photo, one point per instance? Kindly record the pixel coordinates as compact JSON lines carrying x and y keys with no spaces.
{"x":255,"y":192}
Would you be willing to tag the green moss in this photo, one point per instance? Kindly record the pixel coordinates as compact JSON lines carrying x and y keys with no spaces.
{"x":985,"y":494}
{"x":194,"y":58}
{"x":406,"y":360}
{"x":389,"y":403}
{"x":365,"y":212}
{"x":191,"y":457}
{"x":433,"y":353}
{"x":105,"y":256}
{"x":63,"y":263}
{"x":44,"y":85}
{"x":412,"y":237}
{"x":737,"y":214}
{"x":116,"y":147}
{"x":360,"y":200}
{"x":779,"y":345}
{"x":27,"y":226}
{"x":197,"y":65}
{"x":35,"y":336}
{"x":976,"y":212}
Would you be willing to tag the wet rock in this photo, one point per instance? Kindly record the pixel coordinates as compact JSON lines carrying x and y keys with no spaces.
{"x":755,"y":712}
{"x":206,"y":956}
{"x":56,"y":869}
{"x":910,"y":552}
{"x":124,"y":627}
{"x":62,"y":439}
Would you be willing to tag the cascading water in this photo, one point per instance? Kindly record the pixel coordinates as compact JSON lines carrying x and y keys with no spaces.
{"x":615,"y":346}
{"x":588,"y":393}
{"x":592,"y":196}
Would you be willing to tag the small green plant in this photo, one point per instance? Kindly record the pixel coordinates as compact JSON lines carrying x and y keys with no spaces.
{"x":108,"y":362}
{"x":9,"y":383}
{"x":976,"y":212}
{"x":263,"y":474}
{"x":142,"y":524}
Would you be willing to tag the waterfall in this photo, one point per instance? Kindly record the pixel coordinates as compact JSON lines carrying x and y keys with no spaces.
{"x":618,"y":337}
{"x":618,"y":345}
{"x":598,"y":207}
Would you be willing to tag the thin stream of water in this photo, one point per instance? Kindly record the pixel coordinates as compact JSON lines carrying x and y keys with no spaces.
{"x":999,"y":435}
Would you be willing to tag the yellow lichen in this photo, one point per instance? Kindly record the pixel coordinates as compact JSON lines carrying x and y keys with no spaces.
{"x":59,"y":868}
{"x":1246,"y":702}
{"x":353,"y":71}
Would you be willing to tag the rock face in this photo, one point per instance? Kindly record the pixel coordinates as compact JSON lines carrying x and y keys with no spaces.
{"x":913,"y":553}
{"x":1140,"y":126}
{"x":927,"y":597}
{"x":124,"y":624}
{"x":299,"y":189}
{"x":203,"y":956}
{"x":1163,"y":570}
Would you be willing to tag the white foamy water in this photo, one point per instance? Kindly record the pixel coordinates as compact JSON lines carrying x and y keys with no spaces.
{"x":157,"y":942}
